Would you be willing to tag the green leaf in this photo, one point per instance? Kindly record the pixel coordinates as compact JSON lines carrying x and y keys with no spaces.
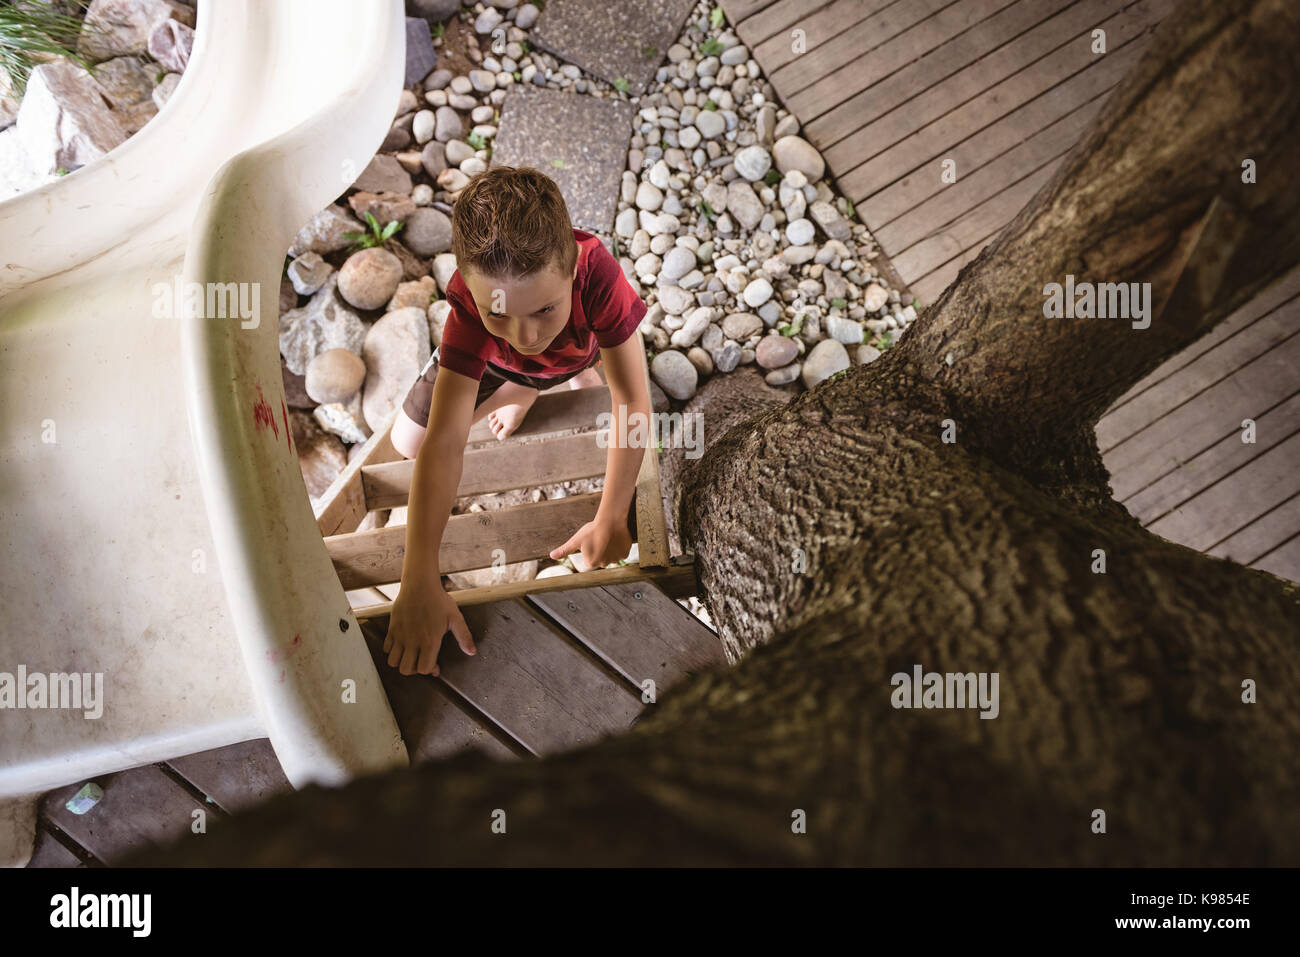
{"x":391,"y":228}
{"x":772,"y":177}
{"x":374,"y":223}
{"x":649,"y":51}
{"x":61,"y":171}
{"x":839,"y":303}
{"x":710,"y":105}
{"x":621,"y":84}
{"x":526,"y":46}
{"x":519,"y":77}
{"x":850,"y":210}
{"x":559,"y":164}
{"x":476,"y":140}
{"x":886,"y":340}
{"x":707,"y":210}
{"x":436,"y":30}
{"x":711,"y":47}
{"x":717,"y":18}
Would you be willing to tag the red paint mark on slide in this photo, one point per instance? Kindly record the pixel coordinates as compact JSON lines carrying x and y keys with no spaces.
{"x":288,"y":434}
{"x":276,"y":655}
{"x":263,"y":414}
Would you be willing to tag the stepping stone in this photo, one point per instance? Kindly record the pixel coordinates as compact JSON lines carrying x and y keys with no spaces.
{"x":579,"y":141}
{"x":612,"y":40}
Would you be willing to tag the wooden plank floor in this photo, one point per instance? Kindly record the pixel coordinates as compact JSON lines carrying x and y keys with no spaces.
{"x":553,"y":672}
{"x":888,"y":90}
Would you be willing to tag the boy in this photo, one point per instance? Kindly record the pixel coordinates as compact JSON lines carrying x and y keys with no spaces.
{"x":534,"y":302}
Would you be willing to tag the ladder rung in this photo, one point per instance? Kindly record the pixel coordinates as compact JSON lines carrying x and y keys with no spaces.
{"x":524,"y":532}
{"x":675,"y":580}
{"x":498,"y":468}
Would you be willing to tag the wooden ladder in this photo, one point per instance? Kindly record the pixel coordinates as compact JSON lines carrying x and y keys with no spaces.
{"x":379,"y":477}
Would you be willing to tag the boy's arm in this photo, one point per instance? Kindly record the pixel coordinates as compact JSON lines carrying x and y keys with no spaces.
{"x":606,"y":538}
{"x":630,"y":416}
{"x":423,"y":611}
{"x":437,"y":474}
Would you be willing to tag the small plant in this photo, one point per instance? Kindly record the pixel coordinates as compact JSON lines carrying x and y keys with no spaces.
{"x":849,"y":210}
{"x":476,"y":140}
{"x":649,"y":51}
{"x":525,"y":46}
{"x":519,"y":76}
{"x":717,"y":18}
{"x":377,"y":236}
{"x":792,"y":328}
{"x":711,"y":47}
{"x":436,"y":30}
{"x":32,"y":32}
{"x":710,"y":105}
{"x":559,"y":164}
{"x":707,"y":210}
{"x":886,"y":341}
{"x":621,"y":84}
{"x":772,"y":177}
{"x":839,"y":303}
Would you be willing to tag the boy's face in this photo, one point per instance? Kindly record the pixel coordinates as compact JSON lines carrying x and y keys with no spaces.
{"x":528,"y":312}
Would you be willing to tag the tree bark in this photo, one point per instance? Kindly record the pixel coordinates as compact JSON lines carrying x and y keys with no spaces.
{"x":839,"y":540}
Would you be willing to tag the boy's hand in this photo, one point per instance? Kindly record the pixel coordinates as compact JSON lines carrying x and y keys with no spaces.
{"x":420,"y":617}
{"x":599,"y":543}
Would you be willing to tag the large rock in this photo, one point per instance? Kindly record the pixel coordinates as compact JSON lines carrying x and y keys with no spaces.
{"x":18,"y":173}
{"x":444,"y":268}
{"x":434,"y":11}
{"x":326,"y":232}
{"x":420,"y":55}
{"x":395,"y":350}
{"x":321,"y":456}
{"x":308,"y":273}
{"x":385,"y":207}
{"x":774,"y":352}
{"x":64,"y":121}
{"x":794,"y":152}
{"x":743,"y":204}
{"x":675,"y":374}
{"x":121,"y":27}
{"x":326,"y":322}
{"x":427,"y":232}
{"x":171,"y":44}
{"x":369,"y":278}
{"x":334,"y":376}
{"x":125,"y":80}
{"x":383,"y":174}
{"x":826,"y":358}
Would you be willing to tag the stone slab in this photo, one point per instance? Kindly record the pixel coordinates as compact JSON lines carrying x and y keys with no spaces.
{"x":580,"y":141}
{"x":612,"y":40}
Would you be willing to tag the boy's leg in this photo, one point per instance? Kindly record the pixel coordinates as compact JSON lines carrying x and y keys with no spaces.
{"x":412,"y":418}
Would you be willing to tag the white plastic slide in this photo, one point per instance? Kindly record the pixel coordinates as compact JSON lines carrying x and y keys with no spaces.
{"x":157,"y":533}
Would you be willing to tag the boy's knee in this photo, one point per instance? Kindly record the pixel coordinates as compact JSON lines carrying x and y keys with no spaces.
{"x":406,"y":437}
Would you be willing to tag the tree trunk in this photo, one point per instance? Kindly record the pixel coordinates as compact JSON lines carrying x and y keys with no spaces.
{"x":840,"y":540}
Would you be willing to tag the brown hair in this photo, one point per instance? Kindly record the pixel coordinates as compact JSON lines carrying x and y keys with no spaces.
{"x":510,"y":222}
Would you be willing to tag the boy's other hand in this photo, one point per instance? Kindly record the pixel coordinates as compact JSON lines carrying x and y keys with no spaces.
{"x":421,"y":616}
{"x":599,"y":543}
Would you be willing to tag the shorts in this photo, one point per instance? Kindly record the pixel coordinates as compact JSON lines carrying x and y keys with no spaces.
{"x":420,"y":396}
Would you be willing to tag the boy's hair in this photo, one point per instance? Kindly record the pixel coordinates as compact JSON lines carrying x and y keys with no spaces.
{"x":510,"y":222}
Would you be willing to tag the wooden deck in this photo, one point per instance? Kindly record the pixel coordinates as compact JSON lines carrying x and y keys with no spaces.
{"x":888,"y":90}
{"x":554,"y":671}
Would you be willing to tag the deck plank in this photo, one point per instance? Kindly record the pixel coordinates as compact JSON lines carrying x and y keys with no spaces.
{"x":1228,"y":507}
{"x":1276,"y":526}
{"x":1275,"y":295}
{"x":432,"y":725}
{"x":140,"y":808}
{"x":1270,"y":343}
{"x":1017,"y":35}
{"x":48,"y":852}
{"x":549,"y":696}
{"x":849,"y":63}
{"x":647,"y":637}
{"x":1283,"y":561}
{"x":235,"y":777}
{"x":996,"y":121}
{"x":1161,"y":489}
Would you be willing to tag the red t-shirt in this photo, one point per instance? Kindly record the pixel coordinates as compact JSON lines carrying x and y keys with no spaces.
{"x":606,"y":311}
